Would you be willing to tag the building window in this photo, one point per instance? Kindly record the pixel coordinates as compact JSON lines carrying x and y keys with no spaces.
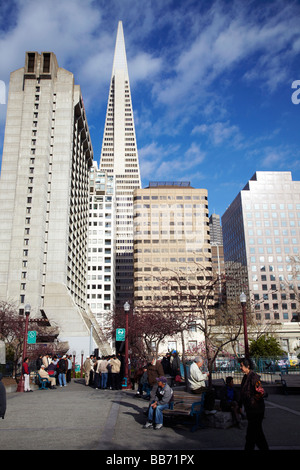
{"x":46,"y":64}
{"x":31,"y":61}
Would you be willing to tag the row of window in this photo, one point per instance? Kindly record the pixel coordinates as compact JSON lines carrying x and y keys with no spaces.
{"x":275,"y":316}
{"x":170,"y":197}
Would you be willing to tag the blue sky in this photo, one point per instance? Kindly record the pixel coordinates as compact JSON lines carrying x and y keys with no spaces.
{"x":211,"y":81}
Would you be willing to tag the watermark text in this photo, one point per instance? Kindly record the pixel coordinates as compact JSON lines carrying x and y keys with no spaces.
{"x":296,"y":95}
{"x":2,"y":92}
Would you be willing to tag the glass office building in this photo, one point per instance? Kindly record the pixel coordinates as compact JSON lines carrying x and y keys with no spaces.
{"x":261,"y":231}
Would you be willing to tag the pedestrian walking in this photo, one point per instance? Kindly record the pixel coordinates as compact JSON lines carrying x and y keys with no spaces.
{"x":252,"y":397}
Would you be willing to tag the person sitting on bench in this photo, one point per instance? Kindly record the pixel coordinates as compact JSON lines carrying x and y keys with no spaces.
{"x":162,"y":400}
{"x":197,"y":384}
{"x":196,"y":377}
{"x":230,"y":401}
{"x":44,"y":375}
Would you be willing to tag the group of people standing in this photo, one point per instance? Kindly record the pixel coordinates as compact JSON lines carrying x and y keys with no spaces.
{"x":57,"y":369}
{"x":104,"y":372}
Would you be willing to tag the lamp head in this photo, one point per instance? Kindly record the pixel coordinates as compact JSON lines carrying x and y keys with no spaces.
{"x":27,"y":309}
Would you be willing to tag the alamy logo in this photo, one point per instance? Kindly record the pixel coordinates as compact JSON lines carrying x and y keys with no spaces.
{"x":2,"y":92}
{"x":296,"y":94}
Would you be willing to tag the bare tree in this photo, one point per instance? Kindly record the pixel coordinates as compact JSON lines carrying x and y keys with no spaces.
{"x":12,"y":330}
{"x":148,"y":327}
{"x":185,"y":299}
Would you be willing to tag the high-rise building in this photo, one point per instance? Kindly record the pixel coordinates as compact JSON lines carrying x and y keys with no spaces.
{"x":119,"y":159}
{"x":261,"y":232}
{"x":44,"y":198}
{"x":101,"y":247}
{"x":171,"y":240}
{"x":216,"y":236}
{"x":217,"y":255}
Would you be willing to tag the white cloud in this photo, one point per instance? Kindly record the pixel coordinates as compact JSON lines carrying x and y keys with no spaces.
{"x":144,"y":67}
{"x":169,"y":162}
{"x":260,"y":39}
{"x":283,"y":157}
{"x":220,"y":132}
{"x":192,"y":157}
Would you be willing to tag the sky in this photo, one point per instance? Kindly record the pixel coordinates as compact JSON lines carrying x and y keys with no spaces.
{"x":215,"y":85}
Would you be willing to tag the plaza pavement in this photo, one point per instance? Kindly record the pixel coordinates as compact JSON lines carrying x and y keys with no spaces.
{"x":78,"y":417}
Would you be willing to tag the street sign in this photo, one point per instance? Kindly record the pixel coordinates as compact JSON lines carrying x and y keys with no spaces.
{"x":31,"y":339}
{"x":120,"y":334}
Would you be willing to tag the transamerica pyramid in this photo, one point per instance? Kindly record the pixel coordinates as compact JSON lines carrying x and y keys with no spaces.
{"x":119,"y":158}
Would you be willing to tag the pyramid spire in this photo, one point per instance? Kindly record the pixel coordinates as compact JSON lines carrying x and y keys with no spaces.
{"x":120,"y":60}
{"x":119,"y":158}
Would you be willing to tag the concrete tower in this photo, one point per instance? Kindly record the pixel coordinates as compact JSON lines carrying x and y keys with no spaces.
{"x":119,"y":158}
{"x":44,"y":197}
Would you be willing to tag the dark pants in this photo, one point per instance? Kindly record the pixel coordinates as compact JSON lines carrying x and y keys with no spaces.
{"x":255,"y":434}
{"x":97,"y":380}
{"x":115,"y":381}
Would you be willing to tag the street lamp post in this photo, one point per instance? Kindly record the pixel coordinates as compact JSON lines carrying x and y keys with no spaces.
{"x":243,"y":300}
{"x":20,"y":387}
{"x":81,"y":367}
{"x":127,"y":379}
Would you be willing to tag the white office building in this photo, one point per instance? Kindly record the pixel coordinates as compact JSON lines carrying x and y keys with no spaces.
{"x":101,"y":247}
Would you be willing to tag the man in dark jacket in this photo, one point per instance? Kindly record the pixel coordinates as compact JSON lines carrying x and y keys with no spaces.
{"x":62,"y":369}
{"x":2,"y":398}
{"x":39,"y":362}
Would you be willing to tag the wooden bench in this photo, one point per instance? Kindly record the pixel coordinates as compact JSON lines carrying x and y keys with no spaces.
{"x":186,"y":404}
{"x":290,"y":382}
